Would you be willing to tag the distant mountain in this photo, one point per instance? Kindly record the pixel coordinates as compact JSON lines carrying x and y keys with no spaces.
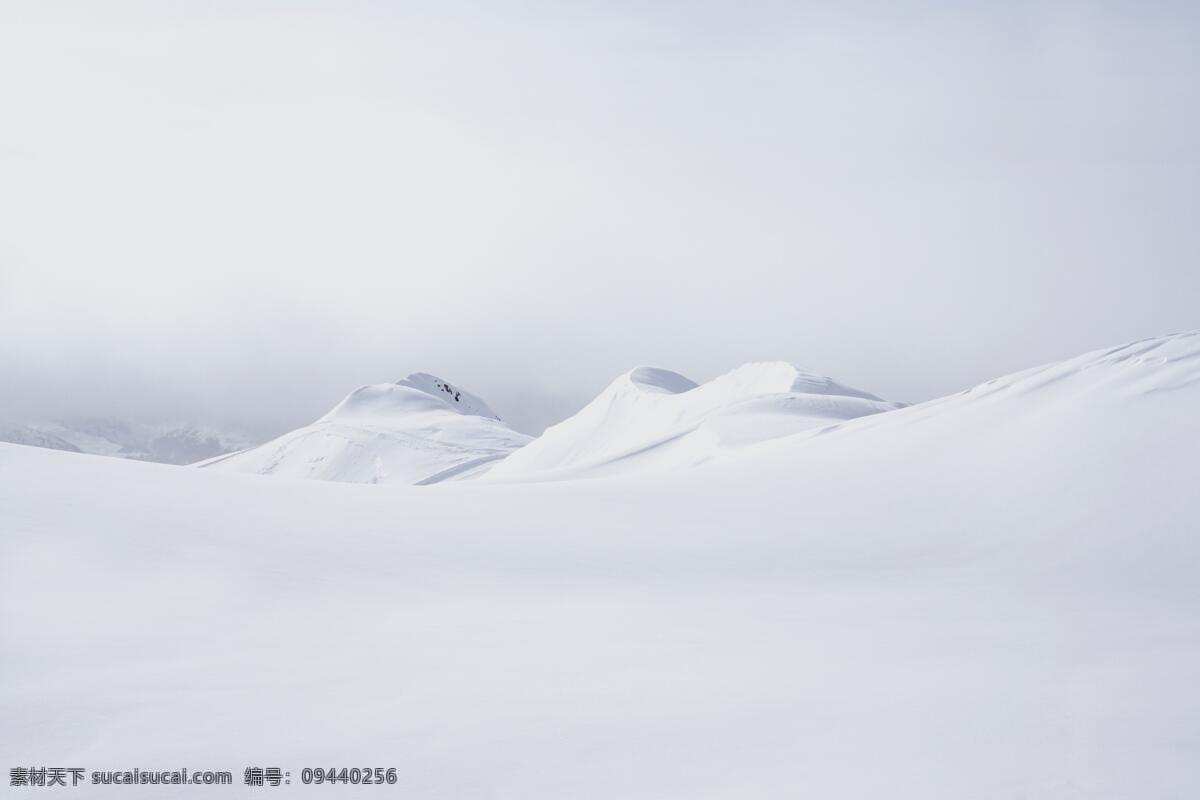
{"x":653,"y":419}
{"x":167,"y":444}
{"x":418,"y":430}
{"x":35,"y":437}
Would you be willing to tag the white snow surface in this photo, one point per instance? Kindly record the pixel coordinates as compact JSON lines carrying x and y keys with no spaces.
{"x":420,"y":429}
{"x":653,"y":420}
{"x":989,"y":596}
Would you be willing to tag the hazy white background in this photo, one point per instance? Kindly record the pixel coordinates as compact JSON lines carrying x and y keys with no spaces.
{"x":237,"y":212}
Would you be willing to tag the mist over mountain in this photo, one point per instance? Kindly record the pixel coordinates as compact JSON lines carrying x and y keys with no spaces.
{"x":167,"y":444}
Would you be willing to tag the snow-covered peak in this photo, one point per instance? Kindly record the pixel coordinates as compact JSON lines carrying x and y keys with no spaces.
{"x":755,"y":379}
{"x":420,"y":429}
{"x":454,"y":397}
{"x":655,"y":419}
{"x":391,"y":404}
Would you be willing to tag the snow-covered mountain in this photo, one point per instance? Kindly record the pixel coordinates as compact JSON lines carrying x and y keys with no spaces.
{"x":418,"y":430}
{"x":168,"y":444}
{"x":992,"y":595}
{"x":36,"y":437}
{"x":653,"y":419}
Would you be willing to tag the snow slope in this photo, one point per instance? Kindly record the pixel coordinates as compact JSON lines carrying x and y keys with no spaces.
{"x":655,"y":420}
{"x":990,"y":596}
{"x":418,"y":430}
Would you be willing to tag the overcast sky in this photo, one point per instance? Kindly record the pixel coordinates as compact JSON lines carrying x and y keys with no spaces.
{"x":238,"y":212}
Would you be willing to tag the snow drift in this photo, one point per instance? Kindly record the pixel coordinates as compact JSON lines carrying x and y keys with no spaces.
{"x":420,"y":429}
{"x":653,"y":419}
